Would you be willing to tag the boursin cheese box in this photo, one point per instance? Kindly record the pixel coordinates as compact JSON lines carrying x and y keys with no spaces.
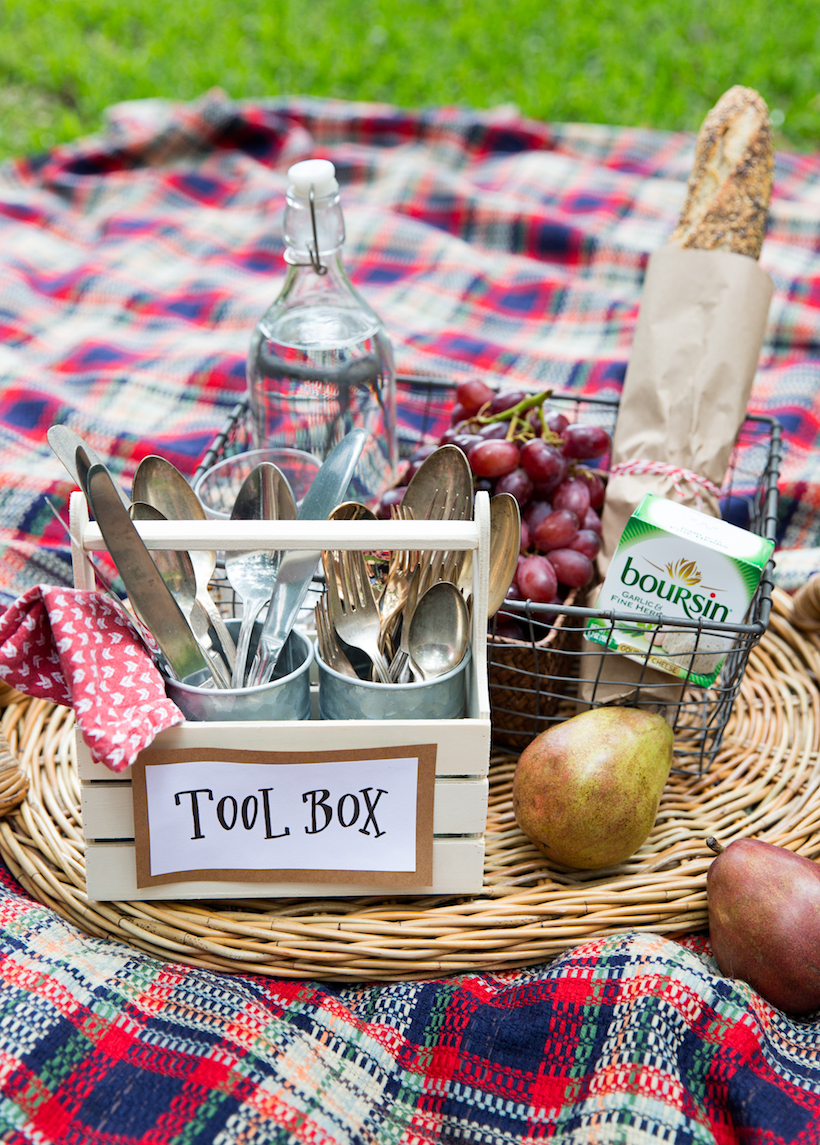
{"x":673,"y":561}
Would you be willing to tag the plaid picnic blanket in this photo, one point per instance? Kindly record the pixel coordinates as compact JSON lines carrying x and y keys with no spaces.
{"x":134,"y":266}
{"x":635,"y":1039}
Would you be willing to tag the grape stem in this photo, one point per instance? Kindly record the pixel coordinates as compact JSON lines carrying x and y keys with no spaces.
{"x":524,"y":406}
{"x":520,"y":427}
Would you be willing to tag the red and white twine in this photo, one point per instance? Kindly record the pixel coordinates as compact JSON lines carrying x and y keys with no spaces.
{"x":680,"y":476}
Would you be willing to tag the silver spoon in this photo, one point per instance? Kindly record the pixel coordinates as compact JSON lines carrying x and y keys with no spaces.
{"x":265,"y":495}
{"x":176,"y":569}
{"x":162,"y":485}
{"x":439,"y":631}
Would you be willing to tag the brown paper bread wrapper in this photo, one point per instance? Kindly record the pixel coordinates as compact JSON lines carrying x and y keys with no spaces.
{"x":686,"y":391}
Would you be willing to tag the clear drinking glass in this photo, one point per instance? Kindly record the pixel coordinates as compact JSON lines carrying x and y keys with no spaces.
{"x":218,"y":487}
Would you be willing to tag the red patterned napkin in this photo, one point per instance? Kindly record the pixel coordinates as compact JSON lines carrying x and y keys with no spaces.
{"x":79,"y":648}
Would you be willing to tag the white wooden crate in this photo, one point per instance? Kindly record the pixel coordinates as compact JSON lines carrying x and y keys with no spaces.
{"x":462,"y":746}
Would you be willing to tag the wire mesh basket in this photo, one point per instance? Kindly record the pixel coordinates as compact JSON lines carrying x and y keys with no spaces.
{"x":546,"y":671}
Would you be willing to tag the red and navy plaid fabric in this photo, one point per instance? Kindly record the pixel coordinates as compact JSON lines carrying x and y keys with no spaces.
{"x":635,"y":1039}
{"x":134,"y":266}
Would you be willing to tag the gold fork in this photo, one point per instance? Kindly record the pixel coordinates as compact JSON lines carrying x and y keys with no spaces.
{"x":329,"y":645}
{"x":397,"y":581}
{"x":443,"y":566}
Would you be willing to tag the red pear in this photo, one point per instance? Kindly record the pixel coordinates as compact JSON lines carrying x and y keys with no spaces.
{"x":764,"y":922}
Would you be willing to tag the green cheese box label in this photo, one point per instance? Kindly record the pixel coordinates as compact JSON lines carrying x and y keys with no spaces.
{"x":674,"y":562}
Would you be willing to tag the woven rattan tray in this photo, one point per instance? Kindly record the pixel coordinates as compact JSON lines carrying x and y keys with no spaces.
{"x":764,"y":782}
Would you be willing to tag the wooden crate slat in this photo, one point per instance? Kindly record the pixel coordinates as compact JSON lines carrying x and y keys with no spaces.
{"x":458,"y":868}
{"x":460,"y":809}
{"x":463,"y":745}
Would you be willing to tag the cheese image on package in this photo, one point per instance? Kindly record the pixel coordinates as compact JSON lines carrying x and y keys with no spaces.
{"x":675,"y":562}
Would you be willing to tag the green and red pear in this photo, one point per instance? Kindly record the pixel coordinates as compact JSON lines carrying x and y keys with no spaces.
{"x":586,"y":791}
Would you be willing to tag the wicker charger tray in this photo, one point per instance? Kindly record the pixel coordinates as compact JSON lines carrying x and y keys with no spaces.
{"x":764,"y":782}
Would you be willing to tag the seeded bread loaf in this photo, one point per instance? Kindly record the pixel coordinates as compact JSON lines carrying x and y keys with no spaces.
{"x":731,"y":181}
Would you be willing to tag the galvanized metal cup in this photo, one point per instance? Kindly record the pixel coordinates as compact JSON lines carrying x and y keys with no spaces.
{"x":343,"y":698}
{"x":286,"y":697}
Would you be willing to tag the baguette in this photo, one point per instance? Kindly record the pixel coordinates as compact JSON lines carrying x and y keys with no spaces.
{"x":730,"y":186}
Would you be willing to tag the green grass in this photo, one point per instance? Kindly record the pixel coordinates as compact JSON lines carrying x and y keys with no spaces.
{"x":660,"y":64}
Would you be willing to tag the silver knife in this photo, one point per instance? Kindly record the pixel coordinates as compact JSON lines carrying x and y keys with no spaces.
{"x":65,"y":443}
{"x":297,"y":567}
{"x":147,"y":638}
{"x":150,"y":597}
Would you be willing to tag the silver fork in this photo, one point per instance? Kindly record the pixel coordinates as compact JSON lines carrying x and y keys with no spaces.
{"x":329,"y":645}
{"x":401,"y":656}
{"x":353,"y":609}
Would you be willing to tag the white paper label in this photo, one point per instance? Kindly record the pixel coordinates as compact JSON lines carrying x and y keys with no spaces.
{"x":351,"y":815}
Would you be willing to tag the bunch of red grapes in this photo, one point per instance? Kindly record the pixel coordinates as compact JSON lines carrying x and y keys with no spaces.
{"x":516,"y":445}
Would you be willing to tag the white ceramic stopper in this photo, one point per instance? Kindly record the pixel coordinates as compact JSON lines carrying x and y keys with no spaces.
{"x":318,"y":173}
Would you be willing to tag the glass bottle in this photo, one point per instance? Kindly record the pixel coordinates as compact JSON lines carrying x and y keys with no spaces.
{"x":320,"y":361}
